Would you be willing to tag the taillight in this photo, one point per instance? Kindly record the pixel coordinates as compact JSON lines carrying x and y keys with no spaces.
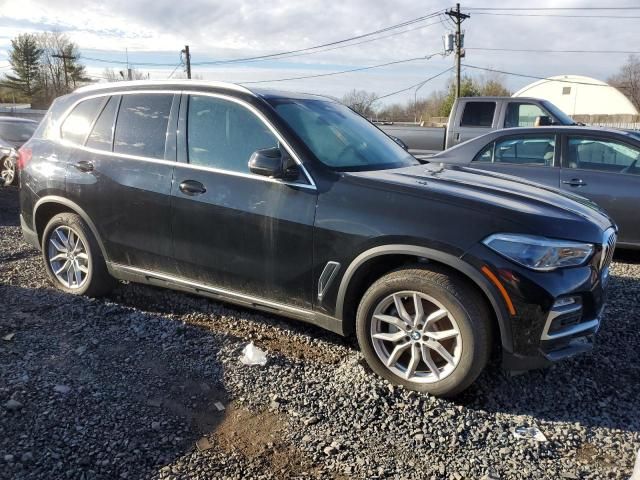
{"x":24,"y":157}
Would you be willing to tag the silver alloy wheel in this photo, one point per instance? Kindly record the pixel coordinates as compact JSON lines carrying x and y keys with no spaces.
{"x":8,"y":170}
{"x":416,"y":337}
{"x":68,"y":257}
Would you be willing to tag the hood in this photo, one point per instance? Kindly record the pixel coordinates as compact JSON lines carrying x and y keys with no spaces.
{"x":537,"y":209}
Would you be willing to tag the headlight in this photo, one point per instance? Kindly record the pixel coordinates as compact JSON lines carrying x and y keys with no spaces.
{"x":539,"y":253}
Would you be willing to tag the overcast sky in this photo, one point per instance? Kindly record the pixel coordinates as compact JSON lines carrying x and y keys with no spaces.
{"x":154,"y":31}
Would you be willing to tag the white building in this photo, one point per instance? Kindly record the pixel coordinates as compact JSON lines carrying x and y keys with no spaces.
{"x":577,"y":95}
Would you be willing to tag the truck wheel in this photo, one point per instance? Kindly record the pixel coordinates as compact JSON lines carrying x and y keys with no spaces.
{"x":73,"y":258}
{"x":424,"y":329}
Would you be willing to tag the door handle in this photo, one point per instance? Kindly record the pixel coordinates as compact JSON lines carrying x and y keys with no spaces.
{"x":84,"y":166}
{"x":575,"y":182}
{"x":191,"y":187}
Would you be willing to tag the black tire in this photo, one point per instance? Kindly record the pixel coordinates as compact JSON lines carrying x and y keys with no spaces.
{"x":98,"y":281}
{"x":460,"y":299}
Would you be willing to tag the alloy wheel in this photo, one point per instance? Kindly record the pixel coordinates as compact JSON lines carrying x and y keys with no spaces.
{"x":8,"y":170}
{"x":416,"y":337}
{"x":68,"y":257}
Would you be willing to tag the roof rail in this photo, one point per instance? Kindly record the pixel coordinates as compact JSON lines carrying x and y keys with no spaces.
{"x":154,"y":83}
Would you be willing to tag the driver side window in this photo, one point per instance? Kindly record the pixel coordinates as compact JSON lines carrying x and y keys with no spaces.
{"x":590,"y":153}
{"x":223,"y":134}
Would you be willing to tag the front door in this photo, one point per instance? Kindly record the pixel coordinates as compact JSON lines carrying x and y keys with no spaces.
{"x":234,"y":230}
{"x":606,"y":171}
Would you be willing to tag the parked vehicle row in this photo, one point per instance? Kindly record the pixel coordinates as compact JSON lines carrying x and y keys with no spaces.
{"x":294,"y":204}
{"x":599,"y":164}
{"x":472,"y":117}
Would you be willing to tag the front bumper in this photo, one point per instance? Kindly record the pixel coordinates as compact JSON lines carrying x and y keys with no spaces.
{"x":557,"y":313}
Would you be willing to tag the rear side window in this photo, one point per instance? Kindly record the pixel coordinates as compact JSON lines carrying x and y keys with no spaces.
{"x":223,"y":134}
{"x":478,"y":114}
{"x":526,"y":151}
{"x":141,"y":128}
{"x":77,"y":125}
{"x":101,"y":136}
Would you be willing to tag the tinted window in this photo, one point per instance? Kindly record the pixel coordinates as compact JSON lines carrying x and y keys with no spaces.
{"x":141,"y":128}
{"x":478,"y":114}
{"x":522,"y":115}
{"x":538,"y":150}
{"x":77,"y":125}
{"x":339,"y":137}
{"x":101,"y":136}
{"x":603,"y":155}
{"x":486,"y":154}
{"x":18,"y":132}
{"x":223,"y":134}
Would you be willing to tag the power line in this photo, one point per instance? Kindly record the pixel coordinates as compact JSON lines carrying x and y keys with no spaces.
{"x":534,"y":50}
{"x":419,"y":84}
{"x":552,"y":15}
{"x":174,"y":70}
{"x":552,"y":8}
{"x":333,"y":48}
{"x":357,"y":37}
{"x":536,"y":77}
{"x":359,"y":69}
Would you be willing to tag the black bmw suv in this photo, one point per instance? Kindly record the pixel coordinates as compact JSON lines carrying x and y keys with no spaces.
{"x":296,"y":205}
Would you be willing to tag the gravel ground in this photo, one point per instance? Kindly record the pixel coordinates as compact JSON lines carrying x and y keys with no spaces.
{"x":125,"y":387}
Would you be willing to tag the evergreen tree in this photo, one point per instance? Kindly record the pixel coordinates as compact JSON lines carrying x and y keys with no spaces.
{"x":24,"y":58}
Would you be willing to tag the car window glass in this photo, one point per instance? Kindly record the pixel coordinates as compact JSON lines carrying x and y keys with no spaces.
{"x":486,"y":154}
{"x":141,"y":128}
{"x":101,"y":137}
{"x":603,"y":155}
{"x":522,"y":115}
{"x":538,"y":150}
{"x":76,"y":126}
{"x":223,"y":134}
{"x":478,"y":114}
{"x":17,"y":132}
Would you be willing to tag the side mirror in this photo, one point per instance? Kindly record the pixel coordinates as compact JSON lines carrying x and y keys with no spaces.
{"x":400,"y":142}
{"x":542,"y":121}
{"x":272,"y":163}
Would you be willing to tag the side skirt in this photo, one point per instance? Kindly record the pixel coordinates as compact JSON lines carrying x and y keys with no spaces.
{"x":138,"y":275}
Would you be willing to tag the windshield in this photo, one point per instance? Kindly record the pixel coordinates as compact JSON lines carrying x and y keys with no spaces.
{"x":559,"y":115}
{"x":339,"y":137}
{"x":17,"y":132}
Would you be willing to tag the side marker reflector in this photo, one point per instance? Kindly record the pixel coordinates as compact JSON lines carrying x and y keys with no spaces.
{"x":489,"y":274}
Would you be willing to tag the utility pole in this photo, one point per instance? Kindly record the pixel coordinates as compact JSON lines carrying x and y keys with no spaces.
{"x":64,"y":58}
{"x":188,"y":60}
{"x":458,"y":18}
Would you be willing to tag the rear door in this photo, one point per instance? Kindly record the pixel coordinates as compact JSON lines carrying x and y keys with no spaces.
{"x":607,"y":171}
{"x":533,"y":157}
{"x":121,"y":172}
{"x":473,"y":119}
{"x":233,"y":230}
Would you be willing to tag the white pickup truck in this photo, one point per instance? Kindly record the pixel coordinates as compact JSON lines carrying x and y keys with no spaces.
{"x":474,"y":116}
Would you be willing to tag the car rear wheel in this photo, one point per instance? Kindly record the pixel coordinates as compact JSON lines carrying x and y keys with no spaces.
{"x":73,"y":258}
{"x":424,"y":329}
{"x":7,"y":171}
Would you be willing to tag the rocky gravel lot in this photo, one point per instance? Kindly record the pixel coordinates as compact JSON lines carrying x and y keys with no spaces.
{"x":124,"y":387}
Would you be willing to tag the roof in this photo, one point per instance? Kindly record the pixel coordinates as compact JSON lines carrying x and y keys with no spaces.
{"x":566,"y":129}
{"x":163,"y":83}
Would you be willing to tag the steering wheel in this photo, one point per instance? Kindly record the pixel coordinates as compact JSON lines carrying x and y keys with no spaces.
{"x":630,"y":167}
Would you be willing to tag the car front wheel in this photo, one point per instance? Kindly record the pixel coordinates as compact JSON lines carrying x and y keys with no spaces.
{"x":425,"y":329}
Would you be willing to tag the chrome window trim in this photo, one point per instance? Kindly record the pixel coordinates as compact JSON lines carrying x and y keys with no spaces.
{"x":57,"y":137}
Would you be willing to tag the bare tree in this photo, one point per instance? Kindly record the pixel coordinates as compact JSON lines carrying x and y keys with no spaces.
{"x":493,"y":84}
{"x":361,"y":101}
{"x":628,"y":80}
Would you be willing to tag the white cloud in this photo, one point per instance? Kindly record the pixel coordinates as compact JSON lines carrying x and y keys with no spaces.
{"x":155,"y":31}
